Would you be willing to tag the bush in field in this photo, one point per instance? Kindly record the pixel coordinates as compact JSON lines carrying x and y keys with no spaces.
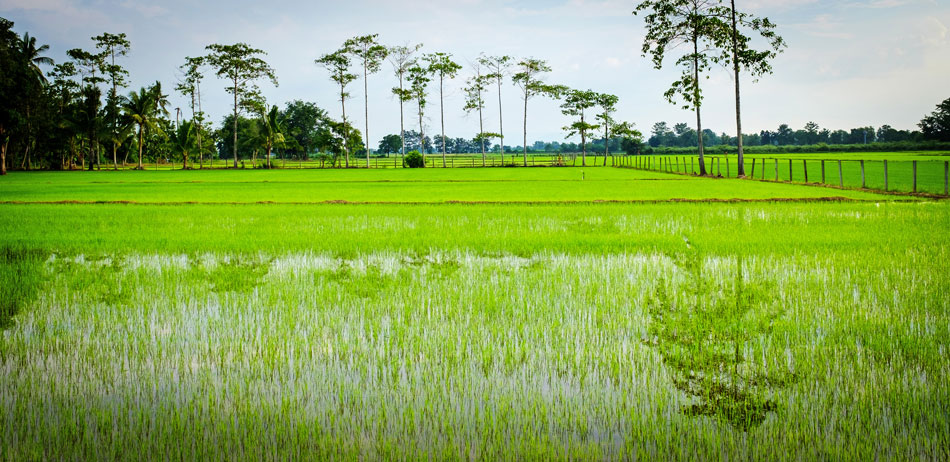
{"x":414,"y":159}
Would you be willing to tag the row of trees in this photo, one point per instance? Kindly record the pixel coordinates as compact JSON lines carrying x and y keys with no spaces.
{"x":415,"y":71}
{"x":58,"y":119}
{"x":682,"y":135}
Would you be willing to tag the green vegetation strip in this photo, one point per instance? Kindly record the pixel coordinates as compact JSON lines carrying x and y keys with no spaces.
{"x":395,"y":186}
{"x":754,"y":331}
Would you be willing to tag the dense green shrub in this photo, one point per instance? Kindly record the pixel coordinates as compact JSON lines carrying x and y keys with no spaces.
{"x":414,"y":159}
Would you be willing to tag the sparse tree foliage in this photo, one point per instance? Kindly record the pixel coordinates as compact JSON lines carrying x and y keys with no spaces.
{"x":475,"y":87}
{"x":401,"y":58}
{"x":736,"y":50}
{"x":419,"y":78}
{"x":498,"y":68}
{"x":110,"y":46}
{"x":608,"y":104}
{"x":576,"y":103}
{"x":671,"y":23}
{"x":338,"y":64}
{"x":441,"y":65}
{"x":243,"y":67}
{"x":371,"y":55}
{"x":528,"y":78}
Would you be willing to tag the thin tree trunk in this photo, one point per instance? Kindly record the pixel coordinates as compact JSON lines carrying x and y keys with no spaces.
{"x":3,"y":156}
{"x":606,"y":137}
{"x":501,"y":124}
{"x":235,"y":121}
{"x":584,"y":143}
{"x":269,"y":149}
{"x":442,"y":116}
{"x":481,"y":125}
{"x":699,"y":122}
{"x":525,"y":126}
{"x":346,"y":131}
{"x":402,"y":121}
{"x":366,"y":109}
{"x":201,"y":154}
{"x":140,"y":167}
{"x":422,"y":133}
{"x":735,"y":68}
{"x":184,"y":156}
{"x":26,"y":155}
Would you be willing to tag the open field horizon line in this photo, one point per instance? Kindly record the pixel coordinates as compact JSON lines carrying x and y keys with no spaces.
{"x":463,"y":202}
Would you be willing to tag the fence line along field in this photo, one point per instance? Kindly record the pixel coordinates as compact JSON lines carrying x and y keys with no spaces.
{"x":524,"y":321}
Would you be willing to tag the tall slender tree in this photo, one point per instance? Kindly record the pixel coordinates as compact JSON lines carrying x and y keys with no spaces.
{"x":528,"y":79}
{"x":498,"y":68}
{"x":190,"y":86}
{"x":243,"y":67}
{"x":576,"y":103}
{"x":474,"y":89}
{"x":671,"y":23}
{"x":734,"y":45}
{"x":338,"y":64}
{"x":401,"y":58}
{"x":110,"y":46}
{"x":441,"y":65}
{"x":371,"y":54}
{"x":608,"y":104}
{"x":418,"y":80}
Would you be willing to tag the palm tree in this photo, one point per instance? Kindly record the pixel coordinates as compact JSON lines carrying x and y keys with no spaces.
{"x":273,"y":132}
{"x":31,"y":58}
{"x":142,"y":108}
{"x":183,"y":140}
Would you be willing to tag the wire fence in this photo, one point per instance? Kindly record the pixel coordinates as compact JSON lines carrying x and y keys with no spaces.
{"x":904,"y":176}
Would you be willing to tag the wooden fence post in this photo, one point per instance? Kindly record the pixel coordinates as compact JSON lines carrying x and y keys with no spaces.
{"x":863,"y":177}
{"x":822,"y":171}
{"x":790,"y":170}
{"x":727,"y":166}
{"x":914,"y":165}
{"x":805,"y":166}
{"x":840,"y":177}
{"x":776,"y":169}
{"x":753,"y":169}
{"x":885,"y":174}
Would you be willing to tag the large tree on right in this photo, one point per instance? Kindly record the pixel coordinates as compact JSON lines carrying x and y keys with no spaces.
{"x":672,"y":23}
{"x":936,"y":126}
{"x":733,"y":42}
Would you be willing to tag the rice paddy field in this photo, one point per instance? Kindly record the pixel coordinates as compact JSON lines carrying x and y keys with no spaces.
{"x":469,"y":314}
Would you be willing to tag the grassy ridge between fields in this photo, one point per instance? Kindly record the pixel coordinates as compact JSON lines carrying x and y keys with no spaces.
{"x":493,"y":229}
{"x":396,"y":186}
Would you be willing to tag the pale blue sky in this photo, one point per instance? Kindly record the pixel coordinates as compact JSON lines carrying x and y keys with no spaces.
{"x":848,"y":64}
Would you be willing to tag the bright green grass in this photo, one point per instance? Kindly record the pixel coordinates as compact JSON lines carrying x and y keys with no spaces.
{"x":467,"y":331}
{"x":930,"y":170}
{"x":422,"y":185}
{"x":464,"y":331}
{"x":495,"y":229}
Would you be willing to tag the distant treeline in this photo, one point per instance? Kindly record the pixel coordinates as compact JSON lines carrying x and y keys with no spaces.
{"x":808,"y":148}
